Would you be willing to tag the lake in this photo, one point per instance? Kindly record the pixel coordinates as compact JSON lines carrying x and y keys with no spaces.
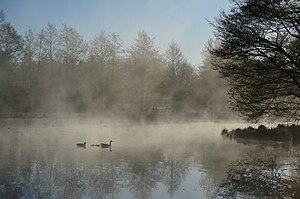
{"x":39,"y":159}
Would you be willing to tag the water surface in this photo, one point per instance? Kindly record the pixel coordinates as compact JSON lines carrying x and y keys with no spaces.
{"x":39,"y":159}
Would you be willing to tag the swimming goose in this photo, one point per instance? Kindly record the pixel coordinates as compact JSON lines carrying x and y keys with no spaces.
{"x":81,"y":144}
{"x":104,"y":145}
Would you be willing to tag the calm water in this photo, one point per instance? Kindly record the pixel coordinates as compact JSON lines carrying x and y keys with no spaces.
{"x":39,"y":159}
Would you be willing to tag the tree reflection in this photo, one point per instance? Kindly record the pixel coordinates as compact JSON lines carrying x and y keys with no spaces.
{"x":144,"y":172}
{"x":265,"y":170}
{"x":32,"y":171}
{"x":42,"y":173}
{"x":174,"y":170}
{"x":29,"y":169}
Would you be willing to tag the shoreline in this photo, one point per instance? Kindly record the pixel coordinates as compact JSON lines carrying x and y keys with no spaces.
{"x":283,"y":133}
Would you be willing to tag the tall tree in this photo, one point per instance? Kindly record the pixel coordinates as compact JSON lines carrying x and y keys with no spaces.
{"x":29,"y":47}
{"x":175,"y":59}
{"x":11,"y":44}
{"x":29,"y":62}
{"x":72,"y":49}
{"x":211,"y":92}
{"x":11,"y":77}
{"x":105,"y":52}
{"x":116,"y":54}
{"x":51,"y":42}
{"x":178,"y":76}
{"x":146,"y":67}
{"x":100,"y":58}
{"x":100,"y":49}
{"x":40,"y":51}
{"x":179,"y":71}
{"x":259,"y":45}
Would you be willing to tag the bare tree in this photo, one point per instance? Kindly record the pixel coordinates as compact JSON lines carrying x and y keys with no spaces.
{"x":11,"y":49}
{"x":29,"y":47}
{"x":175,"y":59}
{"x":51,"y":42}
{"x":178,"y":76}
{"x":72,"y":48}
{"x":105,"y":53}
{"x":11,"y":45}
{"x":29,"y":62}
{"x":258,"y":54}
{"x":116,"y":53}
{"x":146,"y":63}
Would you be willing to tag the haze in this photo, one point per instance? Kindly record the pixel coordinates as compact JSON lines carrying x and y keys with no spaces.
{"x":129,"y":99}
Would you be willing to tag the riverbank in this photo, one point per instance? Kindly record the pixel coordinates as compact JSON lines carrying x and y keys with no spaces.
{"x":280,"y":133}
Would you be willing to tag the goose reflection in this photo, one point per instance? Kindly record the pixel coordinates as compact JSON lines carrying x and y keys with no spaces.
{"x":104,"y":145}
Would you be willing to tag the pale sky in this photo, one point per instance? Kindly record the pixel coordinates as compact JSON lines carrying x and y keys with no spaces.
{"x":185,"y":21}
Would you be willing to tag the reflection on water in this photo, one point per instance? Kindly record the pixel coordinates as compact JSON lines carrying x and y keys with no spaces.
{"x":266,"y":170}
{"x":40,"y":159}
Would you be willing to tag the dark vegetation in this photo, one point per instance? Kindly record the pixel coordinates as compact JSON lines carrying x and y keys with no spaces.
{"x":280,"y":133}
{"x":257,"y":52}
{"x":56,"y":71}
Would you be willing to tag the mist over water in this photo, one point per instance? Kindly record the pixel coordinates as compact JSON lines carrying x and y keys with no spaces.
{"x":99,"y":119}
{"x":39,"y":158}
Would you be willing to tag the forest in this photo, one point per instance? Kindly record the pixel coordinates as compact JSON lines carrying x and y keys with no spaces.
{"x":55,"y":71}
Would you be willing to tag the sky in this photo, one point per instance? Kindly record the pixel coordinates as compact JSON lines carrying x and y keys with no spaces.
{"x":185,"y":21}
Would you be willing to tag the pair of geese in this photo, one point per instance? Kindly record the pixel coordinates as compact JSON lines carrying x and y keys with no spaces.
{"x":103,"y":145}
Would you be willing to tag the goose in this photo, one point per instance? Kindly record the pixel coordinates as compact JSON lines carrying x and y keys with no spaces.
{"x":81,"y":144}
{"x":104,"y":145}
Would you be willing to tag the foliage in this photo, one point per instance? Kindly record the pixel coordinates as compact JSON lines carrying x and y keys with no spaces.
{"x":258,"y":54}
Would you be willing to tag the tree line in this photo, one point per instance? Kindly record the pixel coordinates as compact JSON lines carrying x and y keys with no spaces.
{"x":55,"y":70}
